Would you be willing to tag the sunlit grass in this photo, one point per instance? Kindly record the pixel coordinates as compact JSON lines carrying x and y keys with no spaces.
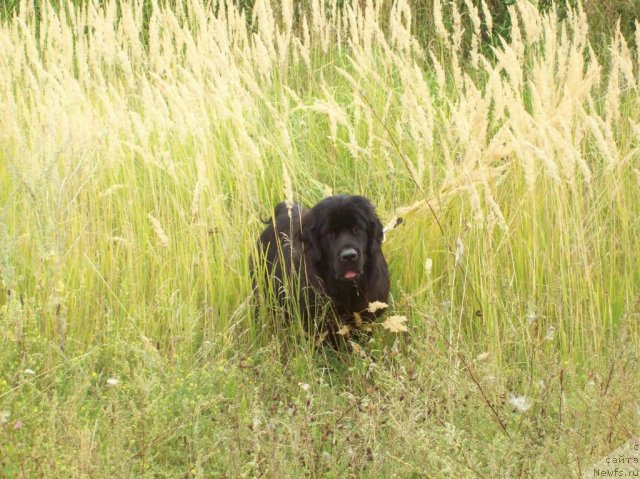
{"x":134,"y":172}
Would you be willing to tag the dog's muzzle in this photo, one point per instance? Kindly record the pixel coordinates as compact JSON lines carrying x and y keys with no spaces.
{"x":349,"y":264}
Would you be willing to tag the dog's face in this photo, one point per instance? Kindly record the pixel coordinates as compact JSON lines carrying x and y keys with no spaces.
{"x":342,"y":234}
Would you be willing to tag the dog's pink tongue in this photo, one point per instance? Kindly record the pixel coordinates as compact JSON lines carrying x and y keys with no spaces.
{"x":350,"y":275}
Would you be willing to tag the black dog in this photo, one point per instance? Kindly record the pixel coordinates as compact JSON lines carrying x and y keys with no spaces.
{"x":330,"y":256}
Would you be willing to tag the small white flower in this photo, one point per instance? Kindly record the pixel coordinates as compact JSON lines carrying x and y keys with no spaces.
{"x":482,"y":356}
{"x":519,"y":403}
{"x":428,"y":265}
{"x":531,"y":317}
{"x":550,"y":333}
{"x":113,"y":382}
{"x":304,"y":386}
{"x":29,"y":372}
{"x":4,"y":417}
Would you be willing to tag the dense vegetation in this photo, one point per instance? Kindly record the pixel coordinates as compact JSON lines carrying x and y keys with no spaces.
{"x":141,"y":143}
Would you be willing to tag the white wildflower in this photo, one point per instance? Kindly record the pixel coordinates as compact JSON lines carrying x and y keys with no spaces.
{"x":376,"y":305}
{"x":519,"y":403}
{"x":551,"y":331}
{"x":482,"y":356}
{"x":531,"y":317}
{"x":396,"y":324}
{"x":113,"y":382}
{"x":428,"y":266}
{"x":29,"y":372}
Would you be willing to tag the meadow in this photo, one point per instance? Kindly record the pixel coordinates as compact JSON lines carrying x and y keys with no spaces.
{"x":142,"y":143}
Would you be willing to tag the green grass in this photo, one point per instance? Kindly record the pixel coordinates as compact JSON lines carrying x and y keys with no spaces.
{"x":133,"y":177}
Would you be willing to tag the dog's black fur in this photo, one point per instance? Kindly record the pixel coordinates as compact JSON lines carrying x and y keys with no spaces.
{"x":332,"y":255}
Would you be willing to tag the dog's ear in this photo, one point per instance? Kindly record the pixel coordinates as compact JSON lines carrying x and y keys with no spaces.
{"x":309,"y":237}
{"x":375,"y":235}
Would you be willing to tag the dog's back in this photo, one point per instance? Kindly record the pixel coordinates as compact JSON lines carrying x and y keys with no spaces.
{"x":279,"y":253}
{"x":279,"y":234}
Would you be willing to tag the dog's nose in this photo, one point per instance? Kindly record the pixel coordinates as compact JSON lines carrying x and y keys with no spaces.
{"x":349,"y":254}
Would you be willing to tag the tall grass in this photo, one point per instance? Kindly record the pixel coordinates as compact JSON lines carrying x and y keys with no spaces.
{"x":134,"y":175}
{"x":134,"y":172}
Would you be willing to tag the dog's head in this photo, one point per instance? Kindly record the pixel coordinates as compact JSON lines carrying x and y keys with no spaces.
{"x":341,"y":234}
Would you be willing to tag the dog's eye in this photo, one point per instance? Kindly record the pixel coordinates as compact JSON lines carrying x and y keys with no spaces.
{"x":356,"y":229}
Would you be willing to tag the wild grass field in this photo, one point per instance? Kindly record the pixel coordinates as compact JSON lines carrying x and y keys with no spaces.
{"x":142,"y":143}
